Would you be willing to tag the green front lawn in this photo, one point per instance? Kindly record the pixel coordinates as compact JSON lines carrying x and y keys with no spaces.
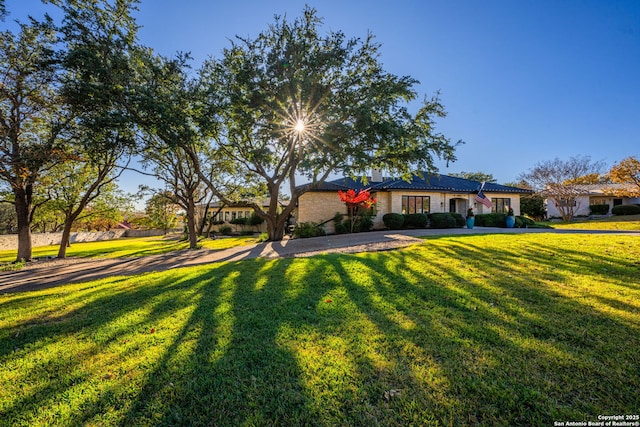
{"x":616,"y":222}
{"x":508,"y":330}
{"x":130,"y":247}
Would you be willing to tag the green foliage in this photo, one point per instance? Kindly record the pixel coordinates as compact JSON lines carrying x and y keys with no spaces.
{"x":13,"y":266}
{"x":393,"y":221}
{"x":339,"y":224}
{"x":475,"y":176}
{"x":254,"y":220}
{"x":263,"y":237}
{"x":415,"y":220}
{"x":363,"y":222}
{"x":225,"y":230}
{"x":491,"y":220}
{"x":626,"y":210}
{"x":533,"y":205}
{"x":8,"y":218}
{"x":31,"y":139}
{"x":308,"y":229}
{"x":342,"y":227}
{"x":238,"y":221}
{"x":442,"y":220}
{"x":524,"y":222}
{"x":601,"y":209}
{"x":460,"y":220}
{"x":161,"y":212}
{"x":355,"y":114}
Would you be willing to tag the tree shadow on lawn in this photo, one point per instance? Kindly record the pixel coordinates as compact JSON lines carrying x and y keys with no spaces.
{"x":383,"y":339}
{"x":506,"y":350}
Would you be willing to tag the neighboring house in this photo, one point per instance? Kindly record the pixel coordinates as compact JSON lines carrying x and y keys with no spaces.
{"x":593,"y":194}
{"x":433,"y":193}
{"x":221,"y":212}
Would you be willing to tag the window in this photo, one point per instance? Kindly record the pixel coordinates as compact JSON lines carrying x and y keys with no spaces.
{"x":415,"y":204}
{"x":233,"y":215}
{"x":247,"y":214}
{"x":500,"y":205}
{"x":226,"y":216}
{"x":240,"y":214}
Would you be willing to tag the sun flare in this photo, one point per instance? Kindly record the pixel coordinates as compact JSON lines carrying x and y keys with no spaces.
{"x":299,"y":127}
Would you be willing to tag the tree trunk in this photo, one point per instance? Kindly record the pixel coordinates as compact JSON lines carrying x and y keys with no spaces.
{"x":23,"y":212}
{"x":191,"y":225}
{"x":24,"y":243}
{"x":64,"y":240}
{"x":276,"y":223}
{"x":276,"y":229}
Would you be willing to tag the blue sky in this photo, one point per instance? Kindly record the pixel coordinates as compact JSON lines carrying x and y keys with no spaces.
{"x":523,"y":81}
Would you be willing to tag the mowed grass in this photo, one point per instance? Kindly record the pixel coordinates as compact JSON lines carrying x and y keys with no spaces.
{"x":130,"y":247}
{"x":616,"y":222}
{"x":506,"y":330}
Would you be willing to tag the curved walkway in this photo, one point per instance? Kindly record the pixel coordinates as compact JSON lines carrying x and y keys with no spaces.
{"x":58,"y":272}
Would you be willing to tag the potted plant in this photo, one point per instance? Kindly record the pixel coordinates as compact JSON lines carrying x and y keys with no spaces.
{"x":470,"y":218}
{"x":511,"y":219}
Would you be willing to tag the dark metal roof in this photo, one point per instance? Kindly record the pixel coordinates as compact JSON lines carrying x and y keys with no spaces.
{"x":432,"y":182}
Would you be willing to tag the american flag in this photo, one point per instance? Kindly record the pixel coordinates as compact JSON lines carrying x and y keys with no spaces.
{"x":481,"y":198}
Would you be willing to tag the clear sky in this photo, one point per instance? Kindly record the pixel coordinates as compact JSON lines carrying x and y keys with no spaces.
{"x":523,"y":81}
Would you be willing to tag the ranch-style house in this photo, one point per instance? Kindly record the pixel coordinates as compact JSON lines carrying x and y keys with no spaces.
{"x":427,"y":194}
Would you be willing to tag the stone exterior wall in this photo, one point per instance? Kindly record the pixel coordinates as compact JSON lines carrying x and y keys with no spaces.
{"x":320,"y":206}
{"x":10,"y":241}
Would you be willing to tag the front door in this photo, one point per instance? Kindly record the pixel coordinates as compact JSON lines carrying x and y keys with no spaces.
{"x":452,"y":205}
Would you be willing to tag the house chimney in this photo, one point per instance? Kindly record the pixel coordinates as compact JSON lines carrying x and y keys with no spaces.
{"x":376,"y":175}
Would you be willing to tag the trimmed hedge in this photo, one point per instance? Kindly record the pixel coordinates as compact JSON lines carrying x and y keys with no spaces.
{"x":416,"y":220}
{"x":460,"y":220}
{"x":599,"y":209}
{"x":225,"y":230}
{"x":442,"y":220}
{"x":394,"y":221}
{"x":491,"y":220}
{"x":626,"y":210}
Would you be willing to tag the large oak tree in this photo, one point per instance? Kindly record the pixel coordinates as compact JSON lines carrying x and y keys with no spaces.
{"x":63,"y":85}
{"x":293,"y":102}
{"x":32,"y":117}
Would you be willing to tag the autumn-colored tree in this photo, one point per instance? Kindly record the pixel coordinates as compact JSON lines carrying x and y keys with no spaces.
{"x":356,"y":203}
{"x":627,"y":172}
